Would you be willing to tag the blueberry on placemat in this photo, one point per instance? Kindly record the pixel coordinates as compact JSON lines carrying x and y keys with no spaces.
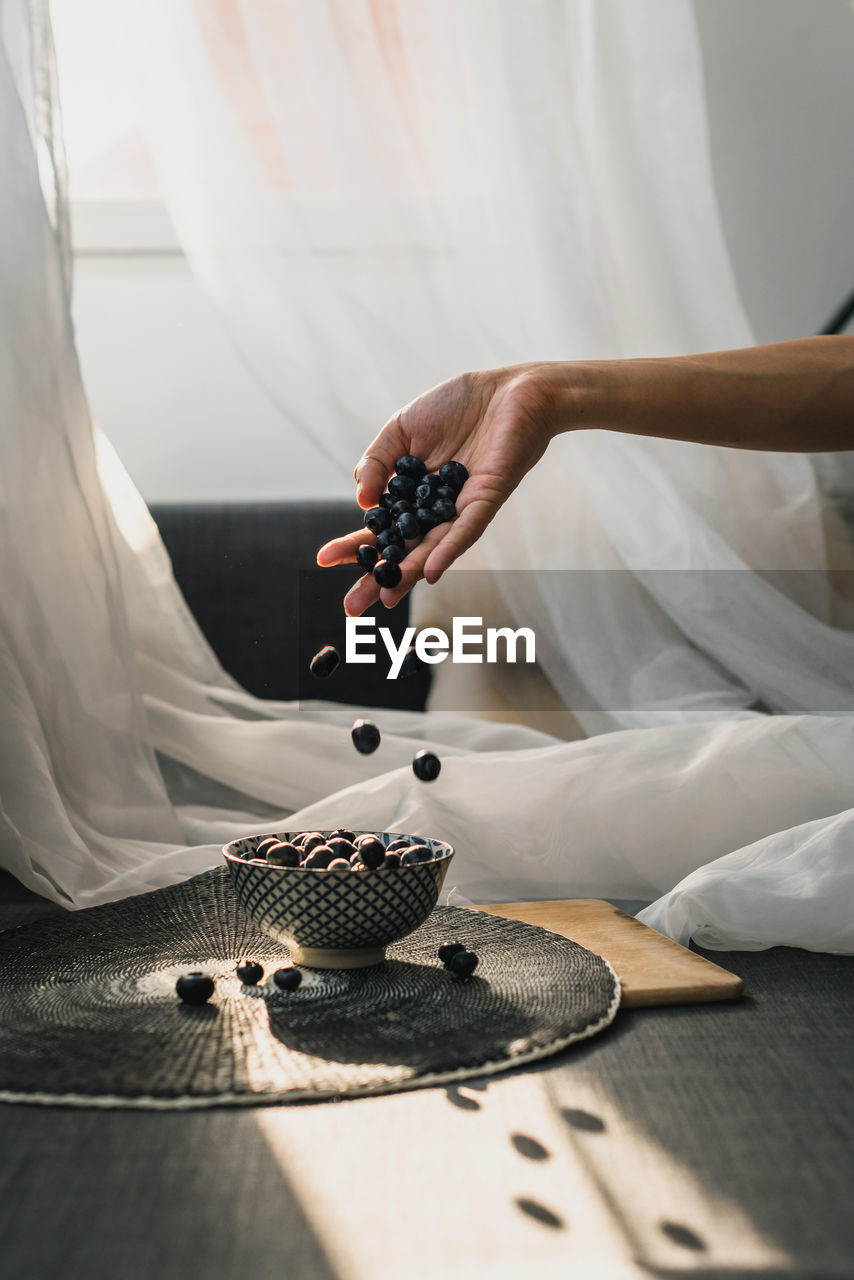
{"x":387,"y":574}
{"x":449,"y":950}
{"x":366,"y":737}
{"x":367,"y":556}
{"x":194,"y":988}
{"x":463,"y":964}
{"x":250,"y":972}
{"x":324,"y":661}
{"x":426,"y":766}
{"x":287,"y":979}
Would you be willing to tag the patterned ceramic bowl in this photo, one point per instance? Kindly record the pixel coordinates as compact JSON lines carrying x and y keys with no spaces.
{"x":336,"y":919}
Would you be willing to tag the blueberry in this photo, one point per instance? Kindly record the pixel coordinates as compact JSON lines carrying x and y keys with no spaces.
{"x":463,"y":964}
{"x":343,"y":833}
{"x":387,"y":574}
{"x":426,"y":766}
{"x":367,"y":556}
{"x":263,"y":846}
{"x":449,"y":950}
{"x":444,"y":511}
{"x":366,"y":737}
{"x":445,"y":491}
{"x":402,"y":487}
{"x":401,"y":508}
{"x":339,"y":864}
{"x":426,"y":519}
{"x":410,"y":466}
{"x":324,"y":662}
{"x":389,"y":537}
{"x":194,"y":988}
{"x":340,"y":848}
{"x":415,"y":853}
{"x":453,"y":474}
{"x":402,"y":842}
{"x":387,"y":501}
{"x":377,"y":519}
{"x":250,"y":972}
{"x":311,"y":840}
{"x":283,"y":854}
{"x":407,"y":525}
{"x":411,"y":664}
{"x":425,"y":494}
{"x":372,"y":852}
{"x":319,"y":858}
{"x":393,"y":553}
{"x":391,"y":859}
{"x":287,"y":979}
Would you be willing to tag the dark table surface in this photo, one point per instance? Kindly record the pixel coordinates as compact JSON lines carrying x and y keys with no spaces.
{"x":692,"y":1140}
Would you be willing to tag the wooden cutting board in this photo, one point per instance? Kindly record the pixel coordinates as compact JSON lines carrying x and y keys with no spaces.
{"x":652,"y":969}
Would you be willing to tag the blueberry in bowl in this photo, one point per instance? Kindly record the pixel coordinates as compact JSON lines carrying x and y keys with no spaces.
{"x":342,"y":916}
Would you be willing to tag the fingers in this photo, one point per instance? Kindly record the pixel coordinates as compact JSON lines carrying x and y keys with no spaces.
{"x":343,"y":550}
{"x":457,"y":538}
{"x":377,"y":462}
{"x":361,"y":596}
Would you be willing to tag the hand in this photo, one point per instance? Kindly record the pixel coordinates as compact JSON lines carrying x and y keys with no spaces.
{"x":497,"y":423}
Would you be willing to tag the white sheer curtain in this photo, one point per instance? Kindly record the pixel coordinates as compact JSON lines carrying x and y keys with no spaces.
{"x":127,"y":756}
{"x":381,"y":193}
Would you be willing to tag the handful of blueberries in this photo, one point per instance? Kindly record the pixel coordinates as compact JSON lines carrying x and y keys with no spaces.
{"x":415,"y":502}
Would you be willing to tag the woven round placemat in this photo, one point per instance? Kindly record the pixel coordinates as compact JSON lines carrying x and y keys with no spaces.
{"x":89,"y":1015}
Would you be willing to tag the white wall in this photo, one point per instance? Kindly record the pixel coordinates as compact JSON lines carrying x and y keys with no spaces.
{"x":191,"y":423}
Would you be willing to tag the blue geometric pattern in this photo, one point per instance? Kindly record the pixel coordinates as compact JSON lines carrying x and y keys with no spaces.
{"x":337,"y":910}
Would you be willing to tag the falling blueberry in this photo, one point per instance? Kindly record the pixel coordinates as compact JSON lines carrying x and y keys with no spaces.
{"x":407,"y":525}
{"x":377,"y":519}
{"x":250,"y":972}
{"x":287,"y":979}
{"x":366,"y":737}
{"x":449,"y":950}
{"x":426,"y":766}
{"x":453,"y":474}
{"x":410,"y":466}
{"x":367,"y":556}
{"x":324,"y":662}
{"x":463,"y":964}
{"x":411,"y":664}
{"x":387,"y":574}
{"x":444,"y":511}
{"x":195,"y":988}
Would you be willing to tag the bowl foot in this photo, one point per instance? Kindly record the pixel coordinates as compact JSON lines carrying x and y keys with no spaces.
{"x":328,"y":958}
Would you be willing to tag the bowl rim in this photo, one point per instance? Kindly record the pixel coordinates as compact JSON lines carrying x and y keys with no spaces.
{"x":444,"y":856}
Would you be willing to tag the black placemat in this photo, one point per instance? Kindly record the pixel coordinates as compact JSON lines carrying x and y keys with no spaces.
{"x":89,"y":1015}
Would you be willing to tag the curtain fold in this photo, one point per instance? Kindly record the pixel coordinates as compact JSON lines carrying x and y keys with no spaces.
{"x":402,"y":190}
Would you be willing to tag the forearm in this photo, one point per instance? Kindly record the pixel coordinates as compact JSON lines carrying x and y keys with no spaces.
{"x":794,"y":396}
